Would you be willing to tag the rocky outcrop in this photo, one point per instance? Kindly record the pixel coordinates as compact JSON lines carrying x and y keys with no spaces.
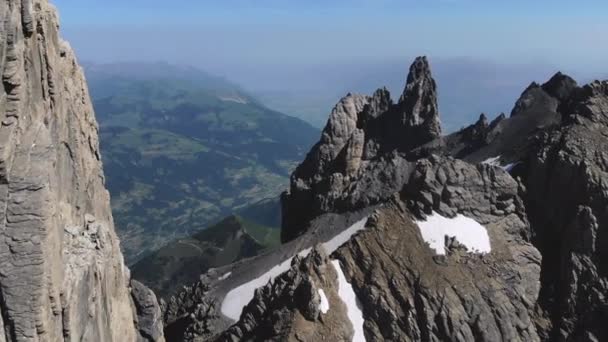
{"x":193,"y":315}
{"x":289,"y":309}
{"x":62,"y":276}
{"x":360,"y":132}
{"x":418,"y":103}
{"x":409,"y":294}
{"x":147,"y":311}
{"x":567,"y":195}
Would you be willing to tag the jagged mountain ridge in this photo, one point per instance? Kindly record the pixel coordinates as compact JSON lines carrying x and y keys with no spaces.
{"x":533,"y":180}
{"x":62,"y":274}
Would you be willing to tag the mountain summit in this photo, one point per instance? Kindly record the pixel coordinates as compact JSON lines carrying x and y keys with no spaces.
{"x":360,"y":130}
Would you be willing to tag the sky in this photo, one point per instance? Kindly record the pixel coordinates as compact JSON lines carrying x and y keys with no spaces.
{"x":320,"y":49}
{"x":226,"y":33}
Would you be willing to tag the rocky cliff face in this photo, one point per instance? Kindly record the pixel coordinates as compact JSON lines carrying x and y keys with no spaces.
{"x":567,"y":199}
{"x":62,"y":276}
{"x":534,"y":184}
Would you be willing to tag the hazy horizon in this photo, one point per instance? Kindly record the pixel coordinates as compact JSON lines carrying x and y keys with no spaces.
{"x":294,"y":54}
{"x":221,"y":36}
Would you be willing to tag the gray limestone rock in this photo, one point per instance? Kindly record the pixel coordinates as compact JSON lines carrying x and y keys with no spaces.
{"x":62,"y":275}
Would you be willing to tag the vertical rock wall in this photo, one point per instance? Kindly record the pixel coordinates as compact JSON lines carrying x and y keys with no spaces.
{"x":62,"y":275}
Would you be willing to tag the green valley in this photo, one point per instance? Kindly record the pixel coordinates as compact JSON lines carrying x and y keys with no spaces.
{"x":183,"y":149}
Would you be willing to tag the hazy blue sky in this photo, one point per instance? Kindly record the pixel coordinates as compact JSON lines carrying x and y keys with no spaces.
{"x":310,"y":52}
{"x":230,"y":32}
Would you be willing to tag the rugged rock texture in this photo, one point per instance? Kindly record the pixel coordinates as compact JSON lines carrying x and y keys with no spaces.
{"x":460,"y":297}
{"x":62,"y":276}
{"x":289,"y":308}
{"x":407,"y":293}
{"x":536,"y":181}
{"x":360,"y":133}
{"x":418,"y":103}
{"x":193,"y":315}
{"x":147,"y":310}
{"x":567,"y":200}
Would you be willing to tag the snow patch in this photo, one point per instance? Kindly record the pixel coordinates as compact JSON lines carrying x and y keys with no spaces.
{"x":348,"y":296}
{"x":340,"y":239}
{"x":495,"y":161}
{"x":509,"y":167}
{"x":324,"y":306}
{"x":467,"y":231}
{"x":239,"y":297}
{"x":225,"y":276}
{"x":235,"y":98}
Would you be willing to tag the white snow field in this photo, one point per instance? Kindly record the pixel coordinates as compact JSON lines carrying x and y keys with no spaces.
{"x":239,"y":297}
{"x":348,"y":296}
{"x":466,"y":230}
{"x":324,"y":306}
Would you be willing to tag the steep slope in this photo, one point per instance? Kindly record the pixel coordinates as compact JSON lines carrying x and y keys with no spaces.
{"x":567,"y":198}
{"x":62,"y":276}
{"x":182,"y":261}
{"x":183,"y":149}
{"x":504,"y":243}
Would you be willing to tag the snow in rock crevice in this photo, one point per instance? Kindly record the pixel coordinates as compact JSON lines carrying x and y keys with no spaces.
{"x":467,"y":231}
{"x":495,"y":161}
{"x":348,"y":296}
{"x":324,"y":306}
{"x":239,"y":297}
{"x":509,"y":167}
{"x":225,"y":276}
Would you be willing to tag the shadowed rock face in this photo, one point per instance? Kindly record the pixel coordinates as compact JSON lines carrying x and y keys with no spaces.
{"x":567,"y":199}
{"x":62,"y":276}
{"x":535,"y":181}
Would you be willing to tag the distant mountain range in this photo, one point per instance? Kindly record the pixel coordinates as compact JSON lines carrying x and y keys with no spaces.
{"x":183,"y":149}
